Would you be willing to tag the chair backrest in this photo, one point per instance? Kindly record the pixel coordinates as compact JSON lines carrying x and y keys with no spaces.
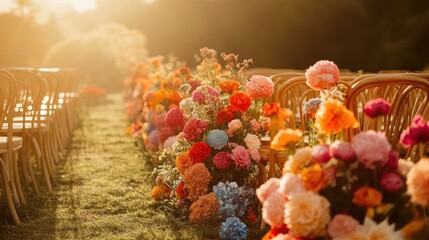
{"x":408,"y":96}
{"x":7,"y":89}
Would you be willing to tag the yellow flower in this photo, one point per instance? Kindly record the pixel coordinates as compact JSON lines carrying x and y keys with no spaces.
{"x":333,"y":117}
{"x":284,"y":137}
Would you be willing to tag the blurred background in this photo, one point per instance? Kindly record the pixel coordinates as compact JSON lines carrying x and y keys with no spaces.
{"x":104,"y":38}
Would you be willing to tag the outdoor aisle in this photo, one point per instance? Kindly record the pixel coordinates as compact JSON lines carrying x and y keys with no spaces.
{"x":101,"y":190}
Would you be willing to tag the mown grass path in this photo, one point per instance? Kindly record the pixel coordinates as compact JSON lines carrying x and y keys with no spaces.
{"x":101,"y":190}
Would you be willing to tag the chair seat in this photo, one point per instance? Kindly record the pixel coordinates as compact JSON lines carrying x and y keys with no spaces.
{"x":19,"y":127}
{"x":16,"y":143}
{"x":30,"y":119}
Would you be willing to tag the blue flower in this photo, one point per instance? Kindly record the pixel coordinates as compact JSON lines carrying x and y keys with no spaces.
{"x":217,"y":139}
{"x":226,"y":194}
{"x":233,"y":229}
{"x":246,"y":197}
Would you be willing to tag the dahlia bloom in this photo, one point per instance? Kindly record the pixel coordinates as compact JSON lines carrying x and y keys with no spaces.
{"x":175,"y":118}
{"x":197,"y":179}
{"x":233,"y":228}
{"x":240,"y":156}
{"x":204,"y":93}
{"x":222,"y":160}
{"x":371,"y":148}
{"x":376,"y":107}
{"x":418,"y":182}
{"x":285,"y":136}
{"x":322,"y":75}
{"x":260,"y":87}
{"x":204,"y":208}
{"x":217,"y":139}
{"x":333,"y":117}
{"x":418,"y":132}
{"x":194,"y":128}
{"x":342,"y":225}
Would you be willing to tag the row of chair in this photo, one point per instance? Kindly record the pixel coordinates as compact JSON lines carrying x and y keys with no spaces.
{"x":38,"y":114}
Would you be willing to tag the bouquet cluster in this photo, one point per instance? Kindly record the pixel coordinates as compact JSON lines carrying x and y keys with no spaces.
{"x":347,"y":190}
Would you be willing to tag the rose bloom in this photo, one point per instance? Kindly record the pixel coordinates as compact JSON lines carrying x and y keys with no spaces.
{"x":284,"y":137}
{"x":418,"y":182}
{"x":240,"y":156}
{"x":204,"y":208}
{"x":183,"y":162}
{"x":391,"y":182}
{"x":291,"y":184}
{"x":314,"y":178}
{"x":197,"y":179}
{"x":418,"y":132}
{"x":260,"y":87}
{"x":255,"y":125}
{"x":320,"y":153}
{"x":240,"y":100}
{"x":333,"y":117}
{"x":199,"y":152}
{"x":273,"y":208}
{"x":194,"y":128}
{"x":269,"y":110}
{"x":322,"y":75}
{"x":266,"y":189}
{"x":301,"y":159}
{"x":307,"y":215}
{"x":252,"y":141}
{"x":367,"y":197}
{"x":342,"y":151}
{"x":371,"y":148}
{"x":342,"y":225}
{"x":228,"y":86}
{"x":222,"y":160}
{"x":376,"y":107}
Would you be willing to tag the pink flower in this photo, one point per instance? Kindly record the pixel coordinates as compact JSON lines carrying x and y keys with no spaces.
{"x":260,"y":87}
{"x":391,"y":182}
{"x":222,"y":160}
{"x":393,"y":160}
{"x":254,"y":154}
{"x":418,"y":182}
{"x":154,"y":137}
{"x":240,"y":156}
{"x":174,"y":118}
{"x":291,"y":184}
{"x":418,"y":132}
{"x":266,"y":189}
{"x":372,"y":149}
{"x":322,"y":75}
{"x":204,"y":93}
{"x":342,"y":151}
{"x":273,"y":208}
{"x":233,"y":126}
{"x":159,"y":121}
{"x":320,"y":153}
{"x":164,"y":133}
{"x":194,"y":128}
{"x":255,"y":125}
{"x":168,"y":144}
{"x":376,"y":107}
{"x":342,"y":225}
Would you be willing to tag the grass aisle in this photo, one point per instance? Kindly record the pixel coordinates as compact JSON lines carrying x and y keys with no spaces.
{"x":101,"y":191}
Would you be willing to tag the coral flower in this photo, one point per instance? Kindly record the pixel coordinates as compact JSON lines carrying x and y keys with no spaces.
{"x":260,"y":87}
{"x":240,"y":100}
{"x":284,"y":137}
{"x":183,"y":162}
{"x":228,"y":86}
{"x":194,"y":128}
{"x":367,"y":197}
{"x":240,"y":156}
{"x":270,"y":109}
{"x":197,"y":180}
{"x":199,"y":152}
{"x":418,"y":132}
{"x":333,"y":117}
{"x":376,"y":107}
{"x":314,"y":178}
{"x":222,"y":160}
{"x":204,"y":208}
{"x":322,"y":75}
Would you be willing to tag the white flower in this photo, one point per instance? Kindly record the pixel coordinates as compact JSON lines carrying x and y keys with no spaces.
{"x":291,"y":184}
{"x":252,"y":141}
{"x":370,"y":230}
{"x":404,"y":166}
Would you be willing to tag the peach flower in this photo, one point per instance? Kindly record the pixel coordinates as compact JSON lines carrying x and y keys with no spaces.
{"x":233,"y":126}
{"x":322,"y":75}
{"x":285,"y":137}
{"x":301,"y":158}
{"x":418,"y":182}
{"x":342,"y":225}
{"x":273,"y":208}
{"x":291,"y":184}
{"x":252,"y":141}
{"x":266,"y":189}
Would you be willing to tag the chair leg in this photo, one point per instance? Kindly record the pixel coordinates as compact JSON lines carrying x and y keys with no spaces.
{"x":18,"y":180}
{"x":27,"y":160}
{"x":7,"y":192}
{"x":9,"y":164}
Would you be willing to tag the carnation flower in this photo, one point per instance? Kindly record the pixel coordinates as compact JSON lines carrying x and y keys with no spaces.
{"x":228,"y":86}
{"x":164,"y":133}
{"x":217,"y":139}
{"x":204,"y":93}
{"x":342,"y":151}
{"x":372,"y":230}
{"x":333,"y":117}
{"x":204,"y":208}
{"x":199,"y":152}
{"x":367,"y":197}
{"x":240,"y":100}
{"x":267,"y":188}
{"x":307,"y":215}
{"x":322,"y":75}
{"x":320,"y":153}
{"x":284,"y":137}
{"x":255,"y":125}
{"x":197,"y":179}
{"x":240,"y":156}
{"x":342,"y":225}
{"x":175,"y":118}
{"x":371,"y":148}
{"x":418,"y":182}
{"x":270,"y":109}
{"x":154,"y":137}
{"x":260,"y":87}
{"x":301,"y":159}
{"x":194,"y":128}
{"x":224,"y":116}
{"x":273,"y":209}
{"x":314,"y":178}
{"x":222,"y":160}
{"x":311,"y":106}
{"x":391,"y":182}
{"x":183,"y":162}
{"x":418,"y":132}
{"x":376,"y":107}
{"x":159,"y":121}
{"x":393,"y":160}
{"x":291,"y":184}
{"x":252,"y":141}
{"x":233,"y":228}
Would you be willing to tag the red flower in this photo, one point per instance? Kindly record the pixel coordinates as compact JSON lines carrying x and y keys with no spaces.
{"x":376,"y":107}
{"x":181,"y":191}
{"x":199,"y":152}
{"x":240,"y":100}
{"x":270,"y":109}
{"x":225,"y":115}
{"x":418,"y":132}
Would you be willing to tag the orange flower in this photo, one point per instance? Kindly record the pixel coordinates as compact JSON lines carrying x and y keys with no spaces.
{"x":240,"y":100}
{"x":333,"y":117}
{"x":183,"y":162}
{"x":314,"y":178}
{"x":160,"y":191}
{"x":270,"y":109}
{"x":367,"y":197}
{"x":284,"y":137}
{"x":229,"y":86}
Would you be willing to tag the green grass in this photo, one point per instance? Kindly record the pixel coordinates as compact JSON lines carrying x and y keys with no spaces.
{"x":101,"y":191}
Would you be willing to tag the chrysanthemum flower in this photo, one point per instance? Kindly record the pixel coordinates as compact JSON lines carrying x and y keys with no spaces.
{"x":333,"y":117}
{"x":217,"y":139}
